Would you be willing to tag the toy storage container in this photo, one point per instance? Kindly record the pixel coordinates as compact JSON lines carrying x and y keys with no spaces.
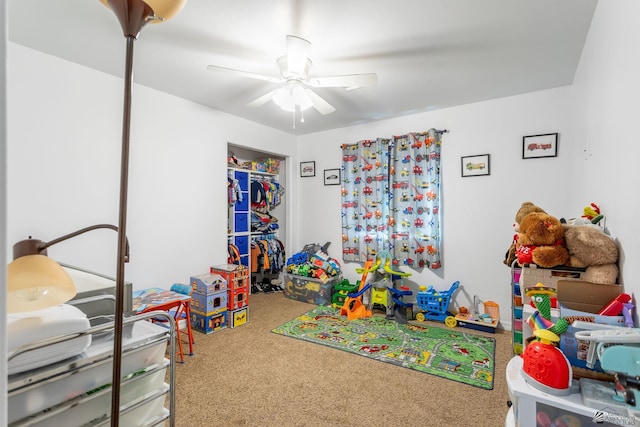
{"x":208,"y":323}
{"x":531,"y":274}
{"x":309,"y":289}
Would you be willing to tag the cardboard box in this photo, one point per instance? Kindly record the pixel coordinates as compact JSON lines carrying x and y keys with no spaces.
{"x":309,"y":289}
{"x":237,"y":298}
{"x":208,"y":283}
{"x":238,"y":317}
{"x":580,"y":301}
{"x":209,"y":303}
{"x":208,"y":323}
{"x":237,"y":276}
{"x":586,"y":296}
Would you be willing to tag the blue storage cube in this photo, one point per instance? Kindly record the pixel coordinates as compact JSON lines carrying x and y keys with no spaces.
{"x":243,"y":180}
{"x":243,"y":205}
{"x":242,"y":243}
{"x":241,"y":223}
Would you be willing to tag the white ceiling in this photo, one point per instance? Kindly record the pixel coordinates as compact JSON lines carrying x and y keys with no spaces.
{"x":428,"y":54}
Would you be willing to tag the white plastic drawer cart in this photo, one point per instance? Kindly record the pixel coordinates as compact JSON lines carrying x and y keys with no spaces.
{"x":77,"y":391}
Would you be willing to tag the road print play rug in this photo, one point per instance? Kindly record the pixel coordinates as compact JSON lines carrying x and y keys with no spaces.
{"x":445,"y":352}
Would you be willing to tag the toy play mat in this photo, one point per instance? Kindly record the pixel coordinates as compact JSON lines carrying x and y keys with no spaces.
{"x":444,"y":352}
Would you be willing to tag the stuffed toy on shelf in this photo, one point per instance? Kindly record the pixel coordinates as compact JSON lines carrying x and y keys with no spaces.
{"x":541,"y":241}
{"x":526,"y":208}
{"x":590,"y":248}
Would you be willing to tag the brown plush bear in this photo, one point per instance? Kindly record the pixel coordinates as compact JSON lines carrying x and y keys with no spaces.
{"x":525,"y":209}
{"x":541,"y":241}
{"x":589,"y":247}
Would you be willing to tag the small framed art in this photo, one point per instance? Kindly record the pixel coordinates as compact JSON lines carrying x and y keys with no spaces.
{"x":307,"y":169}
{"x":331,"y":176}
{"x":537,"y":146}
{"x":477,"y":165}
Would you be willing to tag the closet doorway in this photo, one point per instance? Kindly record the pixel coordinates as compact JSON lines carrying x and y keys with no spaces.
{"x":257,"y":229}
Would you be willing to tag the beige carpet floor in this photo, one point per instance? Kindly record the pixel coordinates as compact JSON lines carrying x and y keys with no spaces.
{"x":248,"y":376}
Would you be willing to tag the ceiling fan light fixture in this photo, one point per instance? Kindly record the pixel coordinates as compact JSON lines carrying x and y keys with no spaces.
{"x":299,"y":71}
{"x":291,"y":96}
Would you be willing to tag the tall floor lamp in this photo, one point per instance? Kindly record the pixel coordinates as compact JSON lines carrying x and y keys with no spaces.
{"x":132,"y":15}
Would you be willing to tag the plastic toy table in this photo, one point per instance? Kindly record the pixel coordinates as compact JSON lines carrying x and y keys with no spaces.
{"x":179,"y":305}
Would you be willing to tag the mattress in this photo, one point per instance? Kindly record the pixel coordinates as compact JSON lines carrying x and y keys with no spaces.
{"x":29,"y":327}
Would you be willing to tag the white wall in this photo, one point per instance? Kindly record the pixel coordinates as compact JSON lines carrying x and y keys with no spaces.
{"x":598,"y":113}
{"x":478,"y":212}
{"x":607,"y":108}
{"x":176,"y":217}
{"x":64,"y":148}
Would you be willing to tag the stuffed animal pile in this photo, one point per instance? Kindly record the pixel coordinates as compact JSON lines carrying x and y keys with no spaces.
{"x":525,"y":209}
{"x":593,"y":250}
{"x":541,"y":241}
{"x":549,"y":242}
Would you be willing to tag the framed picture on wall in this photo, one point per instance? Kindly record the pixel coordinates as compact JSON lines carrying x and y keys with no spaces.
{"x":307,"y":169}
{"x":537,"y":146}
{"x":332,"y":177}
{"x":477,"y":165}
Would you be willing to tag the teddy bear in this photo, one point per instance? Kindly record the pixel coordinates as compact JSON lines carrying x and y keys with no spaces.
{"x":541,"y":241}
{"x":526,"y":208}
{"x":590,"y":248}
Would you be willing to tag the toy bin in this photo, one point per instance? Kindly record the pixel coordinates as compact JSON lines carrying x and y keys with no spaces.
{"x":237,"y":276}
{"x":243,"y":179}
{"x":241,"y":222}
{"x":238,"y":317}
{"x":309,"y":289}
{"x":207,"y":324}
{"x":208,"y":283}
{"x":531,"y":274}
{"x":209,"y":303}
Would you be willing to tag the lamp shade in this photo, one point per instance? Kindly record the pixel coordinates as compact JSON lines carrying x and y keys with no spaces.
{"x":164,"y":9}
{"x":292,"y":95}
{"x":35,"y":282}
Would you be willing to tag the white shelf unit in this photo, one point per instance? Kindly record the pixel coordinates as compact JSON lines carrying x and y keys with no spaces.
{"x":530,"y":404}
{"x":239,"y":216}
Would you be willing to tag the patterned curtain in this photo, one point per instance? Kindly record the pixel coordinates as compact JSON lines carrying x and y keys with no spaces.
{"x":391,"y":199}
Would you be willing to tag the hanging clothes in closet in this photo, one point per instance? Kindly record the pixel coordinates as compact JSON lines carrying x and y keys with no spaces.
{"x":267,"y":262}
{"x":266,"y":194}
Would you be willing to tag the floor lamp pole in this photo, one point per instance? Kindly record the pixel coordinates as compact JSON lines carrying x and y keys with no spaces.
{"x":132,"y":15}
{"x":122,"y":240}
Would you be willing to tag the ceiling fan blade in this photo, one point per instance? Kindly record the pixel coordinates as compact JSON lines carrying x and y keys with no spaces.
{"x":297,"y":55}
{"x":248,"y":74}
{"x":262,"y":100}
{"x":320,"y":104}
{"x":348,"y":81}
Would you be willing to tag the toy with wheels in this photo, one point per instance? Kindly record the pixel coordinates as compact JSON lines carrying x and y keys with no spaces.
{"x":434,"y":305}
{"x":353,"y":307}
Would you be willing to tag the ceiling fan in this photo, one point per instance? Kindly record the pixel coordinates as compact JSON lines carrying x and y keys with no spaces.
{"x":294,"y":93}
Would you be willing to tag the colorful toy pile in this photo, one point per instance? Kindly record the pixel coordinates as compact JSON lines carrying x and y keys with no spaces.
{"x":313,"y":261}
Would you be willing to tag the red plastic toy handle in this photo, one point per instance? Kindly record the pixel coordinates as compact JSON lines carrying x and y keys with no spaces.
{"x":615,"y":306}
